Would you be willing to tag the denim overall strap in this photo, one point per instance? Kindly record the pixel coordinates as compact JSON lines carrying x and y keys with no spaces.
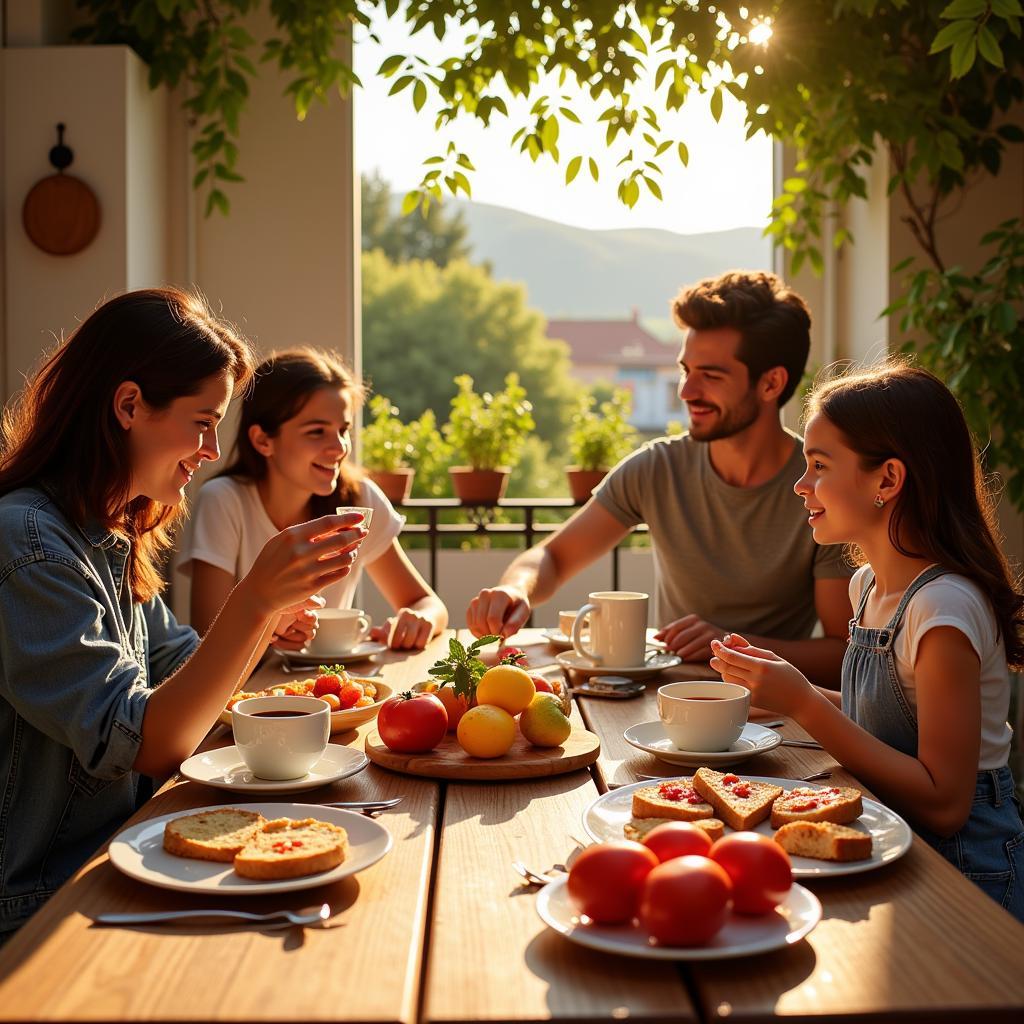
{"x":871,"y":692}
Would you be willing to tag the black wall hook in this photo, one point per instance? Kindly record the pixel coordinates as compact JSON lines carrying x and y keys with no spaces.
{"x":61,"y":155}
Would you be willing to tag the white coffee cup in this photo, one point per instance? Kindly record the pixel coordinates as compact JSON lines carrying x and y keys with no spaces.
{"x":565,"y":620}
{"x":281,"y":738}
{"x":618,"y":628}
{"x":340,"y":630}
{"x":703,"y":716}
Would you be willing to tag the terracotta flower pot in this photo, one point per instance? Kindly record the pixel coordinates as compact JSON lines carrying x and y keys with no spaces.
{"x":479,"y":486}
{"x":396,"y":484}
{"x":583,"y":481}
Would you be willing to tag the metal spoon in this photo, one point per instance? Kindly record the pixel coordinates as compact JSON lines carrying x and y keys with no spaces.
{"x":309,"y":915}
{"x":533,"y":877}
{"x":364,"y":805}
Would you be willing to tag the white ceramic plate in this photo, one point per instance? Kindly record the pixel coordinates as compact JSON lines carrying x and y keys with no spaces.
{"x":657,"y":661}
{"x":650,"y":737}
{"x":138,"y":852}
{"x":361,"y":652}
{"x":739,"y":936}
{"x":225,"y":769}
{"x":890,"y":834}
{"x":350,"y":717}
{"x":557,"y":638}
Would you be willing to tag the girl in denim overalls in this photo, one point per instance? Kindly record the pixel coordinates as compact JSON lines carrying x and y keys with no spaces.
{"x":921,"y":718}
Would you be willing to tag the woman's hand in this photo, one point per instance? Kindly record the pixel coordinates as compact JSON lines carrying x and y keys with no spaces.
{"x":773,"y":682}
{"x":300,"y":561}
{"x":409,"y":630}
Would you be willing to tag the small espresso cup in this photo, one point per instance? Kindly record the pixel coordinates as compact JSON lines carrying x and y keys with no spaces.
{"x":703,"y":716}
{"x":339,"y":631}
{"x":281,"y":738}
{"x":366,"y":512}
{"x":618,"y":628}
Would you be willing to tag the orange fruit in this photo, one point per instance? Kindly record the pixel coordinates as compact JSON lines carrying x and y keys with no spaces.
{"x":486,"y":731}
{"x":543,"y":723}
{"x":506,"y":686}
{"x":455,"y":705}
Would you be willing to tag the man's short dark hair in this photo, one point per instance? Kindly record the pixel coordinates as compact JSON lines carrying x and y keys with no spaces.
{"x":773,"y":321}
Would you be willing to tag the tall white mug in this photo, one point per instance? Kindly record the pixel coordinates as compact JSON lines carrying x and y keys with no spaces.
{"x":618,"y":628}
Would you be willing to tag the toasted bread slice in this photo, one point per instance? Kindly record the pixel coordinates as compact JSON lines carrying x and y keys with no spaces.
{"x":639,"y":827}
{"x":674,"y":799}
{"x":284,"y":848}
{"x":211,"y":835}
{"x":740,"y":803}
{"x":808,"y":803}
{"x":824,"y":840}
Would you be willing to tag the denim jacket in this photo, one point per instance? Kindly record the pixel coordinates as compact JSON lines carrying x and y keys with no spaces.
{"x":78,"y":661}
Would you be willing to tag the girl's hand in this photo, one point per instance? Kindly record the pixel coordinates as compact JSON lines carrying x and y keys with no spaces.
{"x":297,"y":626}
{"x":407,"y":631}
{"x":773,"y":682}
{"x":300,"y":561}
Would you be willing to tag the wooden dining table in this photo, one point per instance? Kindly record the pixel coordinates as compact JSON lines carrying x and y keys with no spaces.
{"x":442,"y":930}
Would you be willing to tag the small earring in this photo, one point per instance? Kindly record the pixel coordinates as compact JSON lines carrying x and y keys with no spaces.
{"x":879,"y":501}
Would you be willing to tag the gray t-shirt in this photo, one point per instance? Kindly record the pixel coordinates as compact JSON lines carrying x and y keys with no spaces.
{"x":740,"y":557}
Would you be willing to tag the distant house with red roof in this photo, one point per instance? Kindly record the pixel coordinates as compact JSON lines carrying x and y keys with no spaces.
{"x":623,"y":353}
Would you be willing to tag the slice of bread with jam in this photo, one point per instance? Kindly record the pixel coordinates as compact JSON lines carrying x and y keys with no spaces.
{"x":740,"y":803}
{"x":840,"y":805}
{"x":286,"y":848}
{"x":675,"y":799}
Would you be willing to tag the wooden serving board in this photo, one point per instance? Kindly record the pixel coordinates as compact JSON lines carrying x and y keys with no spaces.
{"x":523,"y":761}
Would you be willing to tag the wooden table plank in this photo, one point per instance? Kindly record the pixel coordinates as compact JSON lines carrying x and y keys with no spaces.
{"x":60,"y":968}
{"x":490,"y":956}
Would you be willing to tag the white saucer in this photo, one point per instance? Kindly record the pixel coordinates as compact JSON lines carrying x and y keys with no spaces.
{"x":361,"y":652}
{"x":741,"y":935}
{"x":657,"y":661}
{"x":225,"y":769}
{"x":557,"y":638}
{"x":650,"y":736}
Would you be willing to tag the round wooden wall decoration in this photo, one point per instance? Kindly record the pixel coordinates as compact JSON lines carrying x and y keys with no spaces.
{"x":60,"y":214}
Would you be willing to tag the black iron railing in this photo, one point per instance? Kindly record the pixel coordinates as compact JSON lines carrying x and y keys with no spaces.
{"x":480,"y":521}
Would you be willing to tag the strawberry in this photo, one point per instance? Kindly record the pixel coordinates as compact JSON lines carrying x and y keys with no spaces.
{"x":349,"y":694}
{"x":327,"y":683}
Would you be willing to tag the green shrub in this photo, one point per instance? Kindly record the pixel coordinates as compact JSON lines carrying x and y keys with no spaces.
{"x":602,"y":434}
{"x":487,"y":430}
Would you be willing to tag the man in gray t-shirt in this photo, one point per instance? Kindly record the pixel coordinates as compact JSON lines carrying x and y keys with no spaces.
{"x":733,"y":551}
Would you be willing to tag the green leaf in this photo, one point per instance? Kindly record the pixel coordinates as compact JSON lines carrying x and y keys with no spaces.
{"x":594,"y":172}
{"x":795,"y":185}
{"x":964,"y":9}
{"x":684,"y":154}
{"x":569,"y":115}
{"x":390,"y":65}
{"x":716,"y":105}
{"x":1007,"y":8}
{"x":952,"y":34}
{"x":653,"y":186}
{"x":961,"y":60}
{"x":573,"y":169}
{"x":419,"y":95}
{"x":410,"y":202}
{"x":988,"y":47}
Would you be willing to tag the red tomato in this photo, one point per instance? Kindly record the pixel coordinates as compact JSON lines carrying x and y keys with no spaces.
{"x":541,"y":685}
{"x":759,"y":868}
{"x":328,"y":683}
{"x":412,"y":723}
{"x":685,"y":901}
{"x":605,"y":880}
{"x":677,"y":839}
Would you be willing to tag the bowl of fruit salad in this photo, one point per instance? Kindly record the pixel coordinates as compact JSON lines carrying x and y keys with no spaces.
{"x":353,"y":700}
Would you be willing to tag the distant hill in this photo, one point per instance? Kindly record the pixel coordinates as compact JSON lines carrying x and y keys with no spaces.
{"x":573,"y":272}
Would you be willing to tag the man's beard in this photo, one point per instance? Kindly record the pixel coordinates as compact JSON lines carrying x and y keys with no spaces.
{"x":729,"y":423}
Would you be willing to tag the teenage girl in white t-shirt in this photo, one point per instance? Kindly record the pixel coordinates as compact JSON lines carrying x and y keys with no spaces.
{"x":290,"y":466}
{"x":891,"y":469}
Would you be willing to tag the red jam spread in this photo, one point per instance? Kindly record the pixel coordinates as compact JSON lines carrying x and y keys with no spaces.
{"x":742,"y":789}
{"x":806,"y":804}
{"x":286,"y":844}
{"x":676,"y":793}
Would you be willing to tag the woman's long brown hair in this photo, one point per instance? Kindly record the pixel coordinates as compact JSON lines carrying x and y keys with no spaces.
{"x":282,"y":385}
{"x":61,"y":432}
{"x":945,"y":511}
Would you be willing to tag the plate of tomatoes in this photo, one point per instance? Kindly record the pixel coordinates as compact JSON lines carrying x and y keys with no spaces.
{"x":354,"y":700}
{"x":678,"y":896}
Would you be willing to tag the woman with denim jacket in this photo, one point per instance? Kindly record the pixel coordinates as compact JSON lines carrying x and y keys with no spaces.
{"x":892,"y":470}
{"x":100,"y":688}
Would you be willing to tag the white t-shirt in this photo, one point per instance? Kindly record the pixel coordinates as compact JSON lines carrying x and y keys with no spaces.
{"x":954,"y":600}
{"x":230,"y":526}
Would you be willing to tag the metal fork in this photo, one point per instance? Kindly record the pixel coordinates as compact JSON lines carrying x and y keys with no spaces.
{"x":278,"y":918}
{"x":364,"y":805}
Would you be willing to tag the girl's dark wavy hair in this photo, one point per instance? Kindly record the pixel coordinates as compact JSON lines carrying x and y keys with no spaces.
{"x":61,"y":432}
{"x":946,"y":510}
{"x":282,"y":385}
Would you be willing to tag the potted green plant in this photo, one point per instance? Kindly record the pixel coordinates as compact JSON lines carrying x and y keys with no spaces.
{"x":489,"y":432}
{"x":393,"y":450}
{"x":600,"y":435}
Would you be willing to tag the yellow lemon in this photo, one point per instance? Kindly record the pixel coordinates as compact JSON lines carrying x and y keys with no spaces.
{"x":543,"y":723}
{"x":506,"y":687}
{"x":486,"y":731}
